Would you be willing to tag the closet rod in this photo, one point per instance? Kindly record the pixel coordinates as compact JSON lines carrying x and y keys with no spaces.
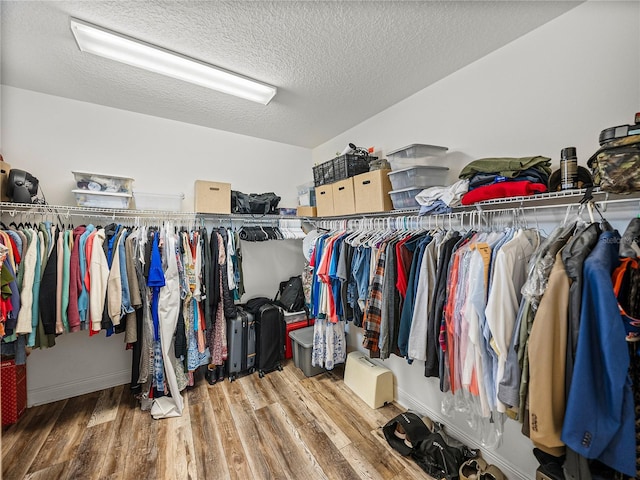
{"x":531,"y":202}
{"x":29,"y":208}
{"x":411,"y":218}
{"x":91,"y":212}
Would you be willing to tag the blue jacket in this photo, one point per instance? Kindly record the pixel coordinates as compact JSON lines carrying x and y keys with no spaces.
{"x":599,"y":419}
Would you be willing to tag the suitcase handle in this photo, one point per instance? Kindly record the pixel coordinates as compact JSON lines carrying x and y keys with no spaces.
{"x":367,"y":361}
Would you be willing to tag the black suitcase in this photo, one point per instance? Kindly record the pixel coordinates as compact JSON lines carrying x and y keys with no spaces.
{"x":241,"y":344}
{"x":270,"y":332}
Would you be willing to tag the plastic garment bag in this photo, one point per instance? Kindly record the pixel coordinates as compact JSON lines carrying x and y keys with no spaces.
{"x":168,"y":309}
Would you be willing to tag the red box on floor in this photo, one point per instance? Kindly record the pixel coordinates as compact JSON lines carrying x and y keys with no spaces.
{"x":13,"y":391}
{"x":288,"y":351}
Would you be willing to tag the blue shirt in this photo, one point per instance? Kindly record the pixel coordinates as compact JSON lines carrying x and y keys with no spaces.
{"x":155,"y":281}
{"x":406,"y":316}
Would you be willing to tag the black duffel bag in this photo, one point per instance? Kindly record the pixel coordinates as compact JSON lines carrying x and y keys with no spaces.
{"x":254,"y":203}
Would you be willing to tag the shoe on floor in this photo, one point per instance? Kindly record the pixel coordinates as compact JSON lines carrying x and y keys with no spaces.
{"x":211,"y":375}
{"x":472,"y":469}
{"x":220,"y":372}
{"x":492,"y":473}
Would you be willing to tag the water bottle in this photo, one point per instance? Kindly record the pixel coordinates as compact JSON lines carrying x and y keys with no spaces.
{"x":568,"y":168}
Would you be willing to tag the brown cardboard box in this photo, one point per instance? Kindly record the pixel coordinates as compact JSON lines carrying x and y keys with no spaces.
{"x":324,"y":200}
{"x":344,"y":202}
{"x":371,"y":190}
{"x":307,"y":211}
{"x":4,"y":176}
{"x":212,"y":197}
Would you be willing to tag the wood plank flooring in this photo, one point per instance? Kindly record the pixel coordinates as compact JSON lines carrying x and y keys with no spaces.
{"x":282,"y":426}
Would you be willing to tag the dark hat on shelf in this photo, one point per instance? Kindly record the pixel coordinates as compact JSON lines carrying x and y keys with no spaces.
{"x":584,"y":179}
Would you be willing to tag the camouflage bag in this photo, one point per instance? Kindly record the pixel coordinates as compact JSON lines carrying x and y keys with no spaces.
{"x":616,"y":166}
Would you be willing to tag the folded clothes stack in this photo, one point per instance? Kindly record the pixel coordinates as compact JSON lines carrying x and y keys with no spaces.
{"x":491,"y":178}
{"x":438,"y":200}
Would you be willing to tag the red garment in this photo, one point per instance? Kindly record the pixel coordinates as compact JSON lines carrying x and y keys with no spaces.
{"x":323,"y":276}
{"x":502,"y":190}
{"x":16,"y":253}
{"x":75,"y":282}
{"x":403,"y":265}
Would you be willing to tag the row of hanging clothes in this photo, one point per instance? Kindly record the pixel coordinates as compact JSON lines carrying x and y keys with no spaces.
{"x":512,"y":321}
{"x":167,"y":289}
{"x":278,"y":229}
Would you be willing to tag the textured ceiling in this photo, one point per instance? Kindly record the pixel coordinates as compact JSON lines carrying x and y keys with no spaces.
{"x":335,"y":63}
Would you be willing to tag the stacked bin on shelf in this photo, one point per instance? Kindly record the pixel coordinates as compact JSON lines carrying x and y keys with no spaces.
{"x":412,"y":172}
{"x":102,"y":190}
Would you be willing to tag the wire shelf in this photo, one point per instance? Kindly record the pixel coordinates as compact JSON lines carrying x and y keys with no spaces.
{"x":68,"y":210}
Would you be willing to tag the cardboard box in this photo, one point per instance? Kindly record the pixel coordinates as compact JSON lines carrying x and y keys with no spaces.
{"x":4,"y":176}
{"x":371,"y":191}
{"x":344,"y":202}
{"x":324,"y":200}
{"x":212,"y":197}
{"x":14,"y":391}
{"x":307,"y":212}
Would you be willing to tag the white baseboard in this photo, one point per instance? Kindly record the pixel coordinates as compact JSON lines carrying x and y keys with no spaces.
{"x":53,"y":393}
{"x":509,"y":469}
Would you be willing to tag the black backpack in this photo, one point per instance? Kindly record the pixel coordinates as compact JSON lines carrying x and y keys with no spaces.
{"x":290,"y":295}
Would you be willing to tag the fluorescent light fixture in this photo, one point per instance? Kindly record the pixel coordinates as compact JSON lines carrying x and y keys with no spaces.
{"x":105,"y":43}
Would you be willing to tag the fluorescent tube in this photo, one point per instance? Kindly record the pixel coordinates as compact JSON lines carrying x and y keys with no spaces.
{"x":114,"y":46}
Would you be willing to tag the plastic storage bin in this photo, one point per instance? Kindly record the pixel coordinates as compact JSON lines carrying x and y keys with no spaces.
{"x":306,"y":195}
{"x":405,"y":198}
{"x":293,"y":317}
{"x":87,"y":198}
{"x":418,"y":176}
{"x":100,"y":182}
{"x":414,"y":154}
{"x":302,"y":343}
{"x":158,"y":201}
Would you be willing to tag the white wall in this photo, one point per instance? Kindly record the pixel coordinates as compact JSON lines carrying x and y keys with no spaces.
{"x":558,"y":86}
{"x":51,"y":136}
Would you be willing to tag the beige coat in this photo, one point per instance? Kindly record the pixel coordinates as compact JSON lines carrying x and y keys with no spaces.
{"x":547,"y":362}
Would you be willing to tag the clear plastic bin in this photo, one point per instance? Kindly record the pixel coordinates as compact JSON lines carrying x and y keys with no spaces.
{"x":100,"y":182}
{"x":158,"y":201}
{"x":418,"y":176}
{"x":415,"y":154}
{"x":87,"y":198}
{"x":293,"y":317}
{"x":306,"y":195}
{"x":405,"y":198}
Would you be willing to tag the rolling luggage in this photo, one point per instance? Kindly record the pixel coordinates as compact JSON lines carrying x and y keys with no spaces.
{"x":241,"y":344}
{"x":270,"y":333}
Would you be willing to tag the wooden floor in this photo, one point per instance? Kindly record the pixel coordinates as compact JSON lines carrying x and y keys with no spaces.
{"x":283,"y":426}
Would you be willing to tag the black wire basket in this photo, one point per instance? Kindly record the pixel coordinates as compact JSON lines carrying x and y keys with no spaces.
{"x":341,"y":167}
